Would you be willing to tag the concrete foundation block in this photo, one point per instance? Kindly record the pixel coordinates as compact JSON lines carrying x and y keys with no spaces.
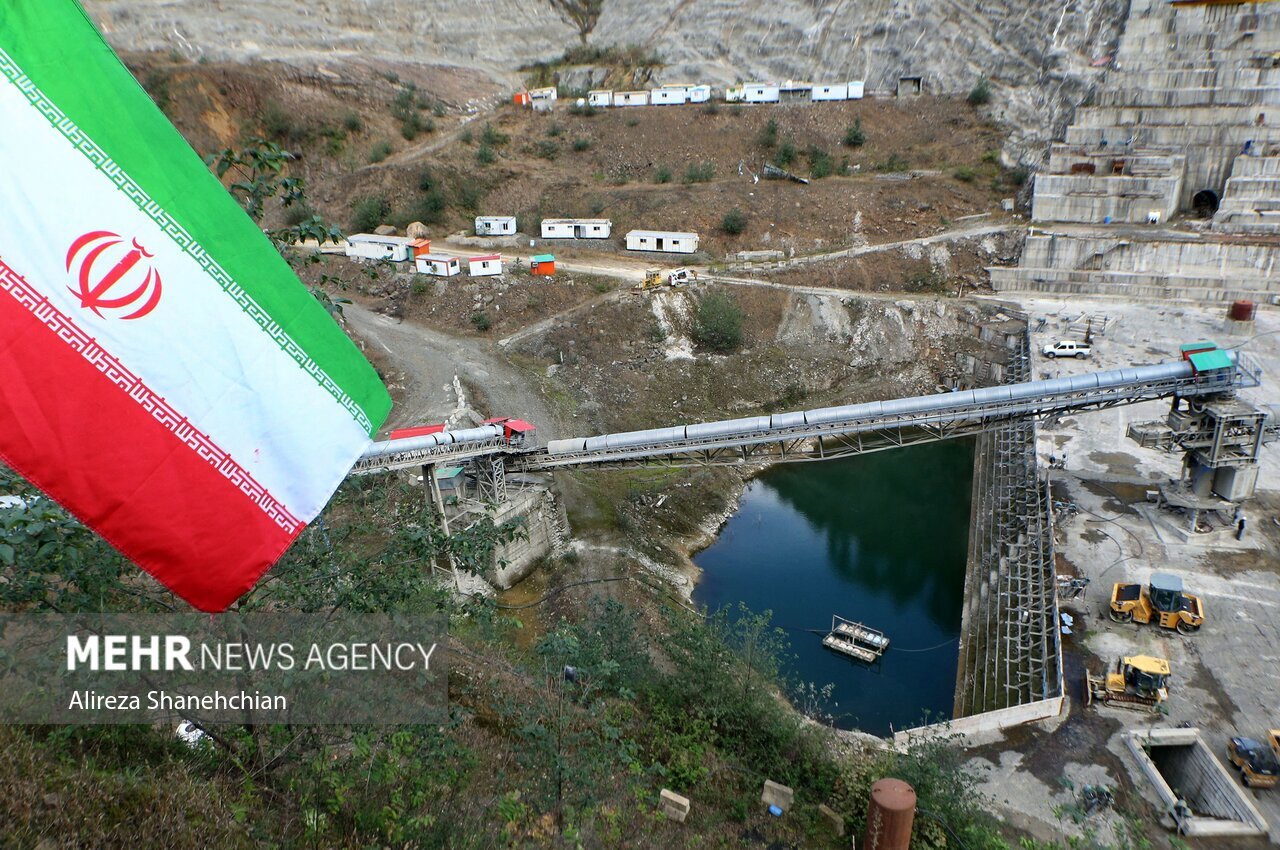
{"x":837,"y":821}
{"x":777,"y":795}
{"x":674,"y":806}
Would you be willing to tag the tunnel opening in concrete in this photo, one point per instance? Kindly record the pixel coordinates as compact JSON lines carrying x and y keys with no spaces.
{"x":1197,"y":791}
{"x":880,"y":539}
{"x":1205,"y":203}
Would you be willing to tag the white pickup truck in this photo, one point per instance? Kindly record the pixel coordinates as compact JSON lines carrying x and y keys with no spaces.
{"x":1066,"y":348}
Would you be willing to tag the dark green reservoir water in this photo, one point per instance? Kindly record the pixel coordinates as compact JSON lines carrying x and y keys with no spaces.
{"x":880,"y":539}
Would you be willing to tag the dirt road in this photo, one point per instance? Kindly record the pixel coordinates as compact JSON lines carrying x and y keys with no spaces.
{"x":431,"y":360}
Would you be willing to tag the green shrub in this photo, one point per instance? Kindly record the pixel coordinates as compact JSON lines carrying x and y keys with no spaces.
{"x":734,"y":222}
{"x":277,"y":122}
{"x":965,"y":174}
{"x":894,"y":162}
{"x":854,"y":136}
{"x":380,"y":151}
{"x":368,"y":213}
{"x":980,"y":94}
{"x":768,"y":137}
{"x":484,"y":154}
{"x":992,"y":156}
{"x":481,"y":321}
{"x":411,"y":126}
{"x":426,"y":180}
{"x":405,"y":101}
{"x":586,"y":110}
{"x":429,"y":209}
{"x":492,"y":137}
{"x":547,"y":149}
{"x":1020,"y":175}
{"x":786,"y":154}
{"x":718,"y":325}
{"x":581,"y":144}
{"x":470,"y":195}
{"x":554,"y":130}
{"x":700,"y":172}
{"x":662,"y":174}
{"x":465,"y":137}
{"x":820,"y":163}
{"x":296,"y":214}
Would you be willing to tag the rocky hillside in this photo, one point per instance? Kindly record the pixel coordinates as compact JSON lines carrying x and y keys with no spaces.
{"x":1039,"y":56}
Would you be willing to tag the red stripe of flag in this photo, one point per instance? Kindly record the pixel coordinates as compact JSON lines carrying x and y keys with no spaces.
{"x":67,"y":428}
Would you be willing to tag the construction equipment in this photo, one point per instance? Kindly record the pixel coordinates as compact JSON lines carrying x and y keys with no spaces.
{"x":1258,"y":765}
{"x":1140,"y":682}
{"x":1164,"y":601}
{"x":653,"y":278}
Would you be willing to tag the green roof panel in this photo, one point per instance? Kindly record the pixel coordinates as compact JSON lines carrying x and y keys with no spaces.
{"x":1207,"y":361}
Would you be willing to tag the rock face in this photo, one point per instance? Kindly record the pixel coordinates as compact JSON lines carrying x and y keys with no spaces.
{"x":1038,"y":55}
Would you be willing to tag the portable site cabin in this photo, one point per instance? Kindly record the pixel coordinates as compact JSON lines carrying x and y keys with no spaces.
{"x":699,"y":94}
{"x":490,"y":264}
{"x":543,"y":264}
{"x":662,"y":240}
{"x":669,"y":95}
{"x":576,"y":228}
{"x":370,"y":246}
{"x":420,"y":247}
{"x":438,"y":265}
{"x":760,"y":93}
{"x":856,"y":88}
{"x":630,"y":98}
{"x":521,"y":98}
{"x":836,"y":92}
{"x":543,"y":100}
{"x":495,"y":225}
{"x":734,"y":94}
{"x":601,"y":97}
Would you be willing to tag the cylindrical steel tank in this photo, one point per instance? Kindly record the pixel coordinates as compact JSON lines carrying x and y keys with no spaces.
{"x":890,"y":815}
{"x":1242,"y":311}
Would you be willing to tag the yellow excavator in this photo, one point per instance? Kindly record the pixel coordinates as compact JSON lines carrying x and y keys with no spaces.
{"x":1164,"y":602}
{"x":1140,"y":682}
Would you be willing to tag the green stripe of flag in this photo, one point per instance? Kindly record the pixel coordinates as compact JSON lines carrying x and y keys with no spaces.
{"x":59,"y":49}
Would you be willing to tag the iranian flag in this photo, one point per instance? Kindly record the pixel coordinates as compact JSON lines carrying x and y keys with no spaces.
{"x":163,"y":374}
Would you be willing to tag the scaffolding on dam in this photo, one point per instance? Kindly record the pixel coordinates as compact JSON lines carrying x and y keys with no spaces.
{"x":1010,"y":647}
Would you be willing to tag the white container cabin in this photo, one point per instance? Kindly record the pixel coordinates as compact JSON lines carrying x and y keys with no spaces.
{"x":699,"y":94}
{"x":761,"y":93}
{"x":630,"y":98}
{"x":600,"y":98}
{"x":668,"y":241}
{"x":856,"y":89}
{"x":835,"y":92}
{"x":576,"y":228}
{"x":734,"y":94}
{"x":495,"y":225}
{"x":490,"y":264}
{"x":371,"y":246}
{"x":438,"y":265}
{"x":669,"y":95}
